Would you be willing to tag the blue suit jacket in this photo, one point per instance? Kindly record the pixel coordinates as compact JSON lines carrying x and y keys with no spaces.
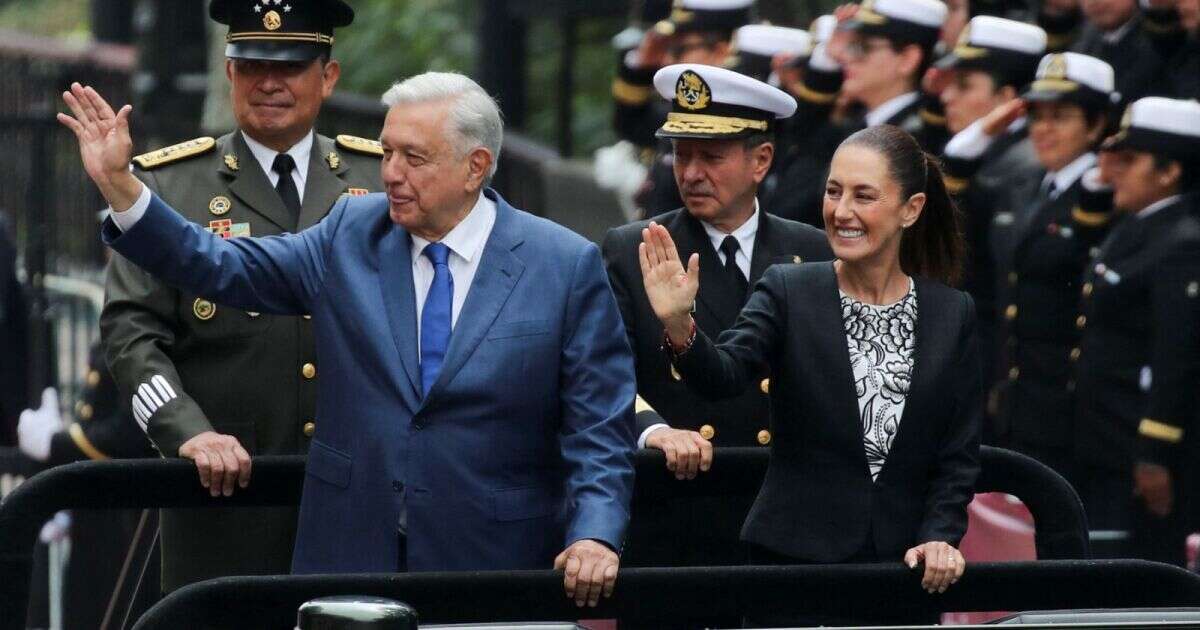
{"x":522,"y":445}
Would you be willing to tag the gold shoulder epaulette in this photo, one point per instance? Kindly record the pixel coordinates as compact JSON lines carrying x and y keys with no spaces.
{"x":360,"y":145}
{"x":175,"y":153}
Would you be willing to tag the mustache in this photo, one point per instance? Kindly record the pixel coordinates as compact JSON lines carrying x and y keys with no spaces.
{"x":697,"y":190}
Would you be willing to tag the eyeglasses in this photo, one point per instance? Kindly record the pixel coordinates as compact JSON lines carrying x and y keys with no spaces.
{"x":858,"y":50}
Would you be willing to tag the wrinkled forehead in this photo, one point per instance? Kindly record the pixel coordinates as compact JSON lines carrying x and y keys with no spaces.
{"x":422,"y":124}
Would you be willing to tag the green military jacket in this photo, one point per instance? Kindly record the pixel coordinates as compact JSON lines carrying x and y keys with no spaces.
{"x":190,"y":365}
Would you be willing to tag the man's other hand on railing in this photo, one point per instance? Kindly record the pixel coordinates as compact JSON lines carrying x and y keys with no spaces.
{"x":220,"y":460}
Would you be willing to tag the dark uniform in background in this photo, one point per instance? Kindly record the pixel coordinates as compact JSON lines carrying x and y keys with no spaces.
{"x":1040,"y":249}
{"x":702,"y":531}
{"x":1138,"y":384}
{"x":1132,"y":54}
{"x":193,"y":366}
{"x":14,"y":327}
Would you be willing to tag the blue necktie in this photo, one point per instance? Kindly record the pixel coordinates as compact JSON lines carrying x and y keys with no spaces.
{"x":435,"y":317}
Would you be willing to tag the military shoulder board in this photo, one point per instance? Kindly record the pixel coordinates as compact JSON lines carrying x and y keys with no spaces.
{"x":360,"y":145}
{"x":174,"y":153}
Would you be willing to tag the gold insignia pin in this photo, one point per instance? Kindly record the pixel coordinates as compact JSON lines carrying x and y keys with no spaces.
{"x":691,"y":92}
{"x":1056,"y":68}
{"x":231,"y":162}
{"x":220,"y":205}
{"x":356,"y":192}
{"x":203,"y":309}
{"x":272,"y":21}
{"x":334,"y":160}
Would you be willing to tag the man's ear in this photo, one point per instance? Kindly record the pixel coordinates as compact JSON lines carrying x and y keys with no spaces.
{"x":229,"y":69}
{"x":330,"y":73}
{"x":761,"y":157}
{"x":479,"y":164}
{"x":910,"y":60}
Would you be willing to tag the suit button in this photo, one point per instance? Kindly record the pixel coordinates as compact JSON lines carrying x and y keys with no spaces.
{"x":397,"y":486}
{"x":310,"y":428}
{"x":1010,"y":313}
{"x":1088,"y":287}
{"x":1081,"y":322}
{"x":707,"y":432}
{"x":307,"y":317}
{"x":308,"y":370}
{"x":1075,"y":354}
{"x":764,"y":437}
{"x":1012,"y":278}
{"x":1014,"y":373}
{"x":765,"y":386}
{"x":253,"y":314}
{"x":84,"y":410}
{"x":93,"y":378}
{"x":675,"y":374}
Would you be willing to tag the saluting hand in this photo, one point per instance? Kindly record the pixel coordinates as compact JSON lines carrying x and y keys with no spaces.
{"x":670,"y":288}
{"x":999,"y":119}
{"x":104,"y":144}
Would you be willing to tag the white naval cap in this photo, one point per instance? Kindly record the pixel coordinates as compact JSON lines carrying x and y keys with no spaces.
{"x":1074,"y":77}
{"x":711,"y":102}
{"x":910,"y":20}
{"x":996,"y":44}
{"x":767,"y":40}
{"x":706,"y":15}
{"x":1163,"y":126}
{"x":823,"y":28}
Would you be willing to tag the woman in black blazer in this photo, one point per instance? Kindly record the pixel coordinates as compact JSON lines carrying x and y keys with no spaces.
{"x":875,"y":382}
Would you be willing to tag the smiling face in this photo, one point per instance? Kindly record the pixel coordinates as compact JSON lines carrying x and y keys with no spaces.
{"x":277,"y":102}
{"x":875,"y":70}
{"x":718,"y":179}
{"x":865,"y":210}
{"x":1060,"y":133}
{"x":430,"y":184}
{"x":1137,"y":181}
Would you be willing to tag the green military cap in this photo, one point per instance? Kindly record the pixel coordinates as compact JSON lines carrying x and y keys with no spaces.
{"x":280,"y":30}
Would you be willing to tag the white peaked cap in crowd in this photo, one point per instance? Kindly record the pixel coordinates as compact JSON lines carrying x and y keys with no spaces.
{"x":1074,"y":77}
{"x":712,"y":102}
{"x":714,"y":5}
{"x":986,"y":31}
{"x":927,"y":13}
{"x":1165,"y":126}
{"x":768,"y":40}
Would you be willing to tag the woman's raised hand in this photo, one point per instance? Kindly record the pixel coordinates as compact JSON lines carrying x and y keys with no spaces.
{"x":670,"y":288}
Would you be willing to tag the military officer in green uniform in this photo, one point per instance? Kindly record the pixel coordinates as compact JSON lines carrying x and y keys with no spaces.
{"x":214,"y":384}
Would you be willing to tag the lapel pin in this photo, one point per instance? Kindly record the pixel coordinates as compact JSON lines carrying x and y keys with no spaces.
{"x":231,"y":162}
{"x":334,"y":160}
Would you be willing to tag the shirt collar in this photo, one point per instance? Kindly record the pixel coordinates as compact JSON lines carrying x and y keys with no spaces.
{"x":265,"y":156}
{"x":1066,"y":176}
{"x":1157,"y":205}
{"x":744,"y":233}
{"x":884,"y":112}
{"x":467,"y":238}
{"x":1117,"y":34}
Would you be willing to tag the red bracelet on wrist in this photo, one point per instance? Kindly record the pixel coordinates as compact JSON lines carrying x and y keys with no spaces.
{"x":687,"y":345}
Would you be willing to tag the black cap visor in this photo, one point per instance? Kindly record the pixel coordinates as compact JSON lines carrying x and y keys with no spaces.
{"x":274,"y":51}
{"x":1169,"y":145}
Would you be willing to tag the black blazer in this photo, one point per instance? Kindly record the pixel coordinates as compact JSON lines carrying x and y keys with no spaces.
{"x":738,"y":421}
{"x":818,"y":502}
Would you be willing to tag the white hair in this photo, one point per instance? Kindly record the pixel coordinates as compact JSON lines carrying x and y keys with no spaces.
{"x":474,"y":117}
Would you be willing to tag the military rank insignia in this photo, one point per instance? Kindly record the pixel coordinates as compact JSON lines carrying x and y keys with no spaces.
{"x":220,"y":205}
{"x":691,"y":92}
{"x":231,"y":162}
{"x":334,"y":160}
{"x":226,"y":228}
{"x":356,"y":192}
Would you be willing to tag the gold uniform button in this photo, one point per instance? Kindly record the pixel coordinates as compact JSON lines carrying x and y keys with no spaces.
{"x":764,"y":437}
{"x":765,"y":386}
{"x":310,"y":428}
{"x":1075,"y":354}
{"x":308,"y":370}
{"x":1081,"y":322}
{"x":1014,"y":373}
{"x":253,"y":314}
{"x":1088,"y":287}
{"x":203,"y":309}
{"x":1010,"y":313}
{"x":707,"y":432}
{"x":1012,"y":278}
{"x":93,"y":378}
{"x":83,"y":410}
{"x":675,"y":374}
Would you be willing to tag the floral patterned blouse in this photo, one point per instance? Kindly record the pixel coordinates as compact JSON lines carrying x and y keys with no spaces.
{"x":881,"y":341}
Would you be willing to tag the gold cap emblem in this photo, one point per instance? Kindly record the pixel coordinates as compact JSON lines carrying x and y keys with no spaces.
{"x":203,"y":309}
{"x":691,"y":92}
{"x":272,"y":21}
{"x":1056,"y":68}
{"x":220,"y":205}
{"x":231,"y":162}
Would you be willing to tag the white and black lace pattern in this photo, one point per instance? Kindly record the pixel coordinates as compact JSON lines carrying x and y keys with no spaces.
{"x":881,"y":341}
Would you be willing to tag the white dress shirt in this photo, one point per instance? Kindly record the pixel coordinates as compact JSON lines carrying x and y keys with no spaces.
{"x":881,"y":114}
{"x":1156,"y":206}
{"x":466,"y":243}
{"x":265,"y":156}
{"x":745,"y":234}
{"x":1066,"y":176}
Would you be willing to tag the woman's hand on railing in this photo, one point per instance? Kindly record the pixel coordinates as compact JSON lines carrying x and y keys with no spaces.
{"x":944,"y":564}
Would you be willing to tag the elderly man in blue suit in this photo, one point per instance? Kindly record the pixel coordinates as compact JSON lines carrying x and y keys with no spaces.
{"x":477,"y":408}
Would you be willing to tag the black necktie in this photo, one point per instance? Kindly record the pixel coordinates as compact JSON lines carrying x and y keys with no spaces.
{"x":730,"y":247}
{"x":284,"y":165}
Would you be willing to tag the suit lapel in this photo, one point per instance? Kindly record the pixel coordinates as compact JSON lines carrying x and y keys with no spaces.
{"x":764,"y":248}
{"x":930,"y":318}
{"x":716,"y":293}
{"x":250,"y":184}
{"x":395,"y":270}
{"x":827,"y":311}
{"x":497,"y":275}
{"x":322,"y":185}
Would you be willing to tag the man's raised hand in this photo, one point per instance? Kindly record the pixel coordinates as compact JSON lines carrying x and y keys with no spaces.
{"x":105,"y":145}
